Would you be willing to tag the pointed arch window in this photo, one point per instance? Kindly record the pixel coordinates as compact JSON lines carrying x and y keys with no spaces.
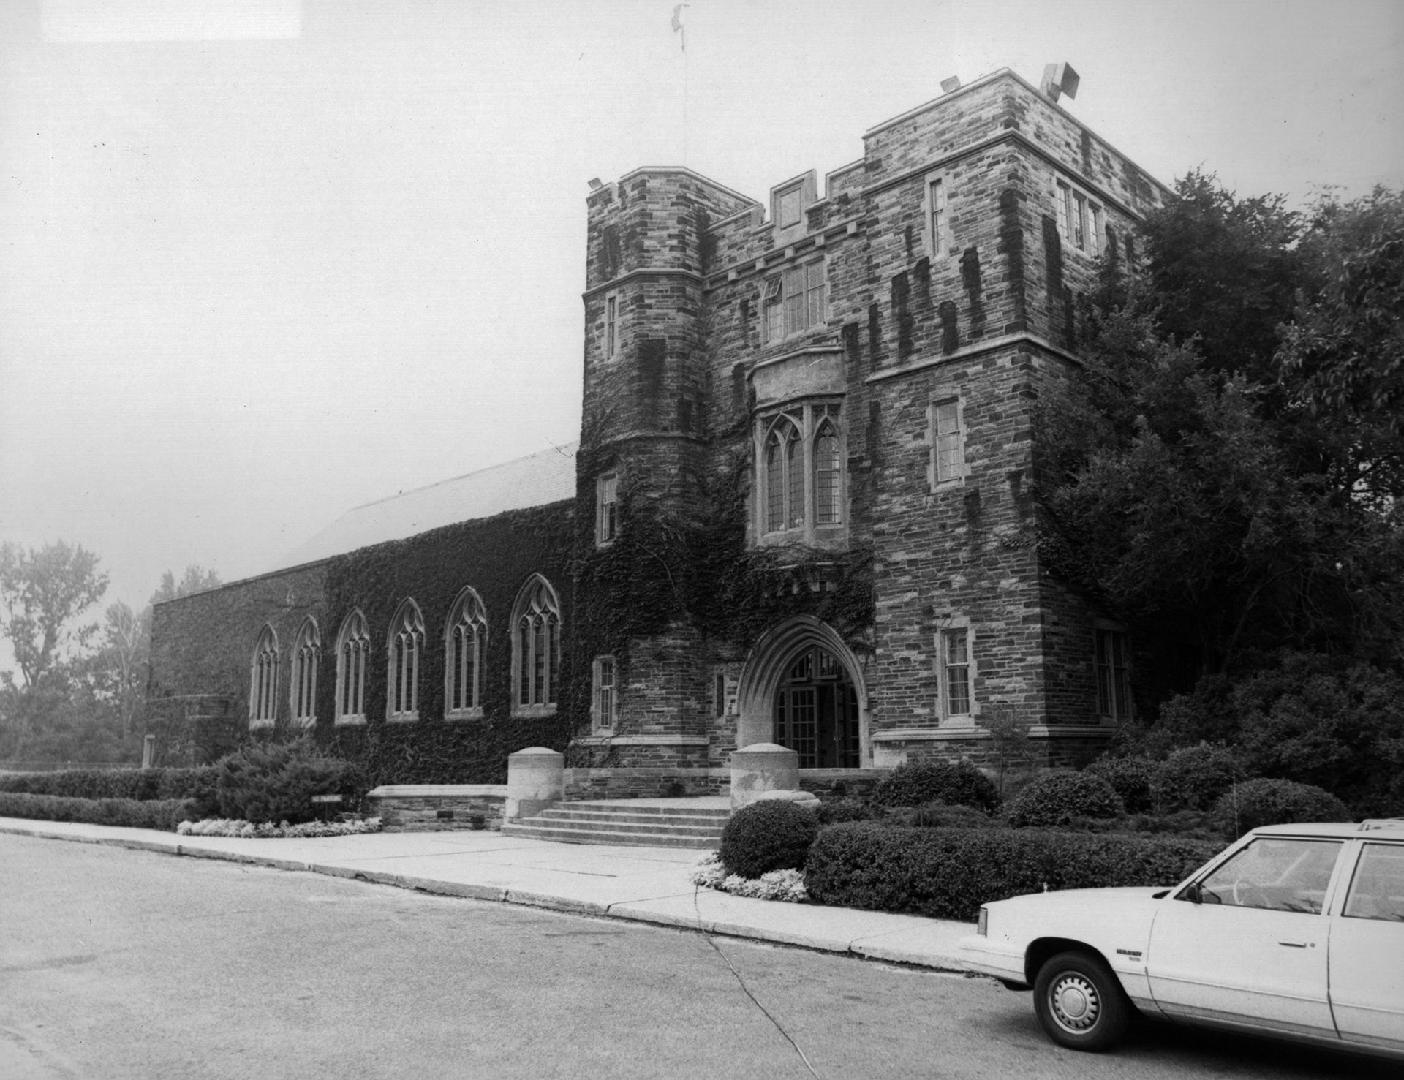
{"x":352,"y":652}
{"x":306,"y":657}
{"x":536,"y":647}
{"x":465,"y":641}
{"x":800,"y":476}
{"x":404,"y":646}
{"x":263,"y":688}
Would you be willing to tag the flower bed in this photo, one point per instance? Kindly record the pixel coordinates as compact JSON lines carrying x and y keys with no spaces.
{"x":786,"y":885}
{"x":268,"y":830}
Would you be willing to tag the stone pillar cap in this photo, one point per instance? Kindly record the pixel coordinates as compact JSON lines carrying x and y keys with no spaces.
{"x":764,"y":747}
{"x":536,"y":751}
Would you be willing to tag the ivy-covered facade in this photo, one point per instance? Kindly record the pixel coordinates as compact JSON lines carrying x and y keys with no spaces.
{"x":804,"y":504}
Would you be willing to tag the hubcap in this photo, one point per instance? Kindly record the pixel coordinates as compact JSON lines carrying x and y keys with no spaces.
{"x":1074,"y":1002}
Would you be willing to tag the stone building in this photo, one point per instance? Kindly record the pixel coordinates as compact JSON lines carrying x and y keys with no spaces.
{"x":802,"y":508}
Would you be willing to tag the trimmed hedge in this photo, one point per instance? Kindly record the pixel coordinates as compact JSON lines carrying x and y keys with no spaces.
{"x":164,"y":814}
{"x":772,"y":834}
{"x":1058,"y":798}
{"x":1275,"y":802}
{"x":136,"y":784}
{"x":957,"y":783}
{"x":949,"y":873}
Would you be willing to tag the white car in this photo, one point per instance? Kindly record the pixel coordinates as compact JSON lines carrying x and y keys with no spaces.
{"x":1294,"y":931}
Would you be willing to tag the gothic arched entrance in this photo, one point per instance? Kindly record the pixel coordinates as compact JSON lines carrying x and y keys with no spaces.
{"x":816,"y":712}
{"x":802,"y":688}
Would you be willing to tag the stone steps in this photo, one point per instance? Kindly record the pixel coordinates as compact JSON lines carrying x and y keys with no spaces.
{"x":626,"y":822}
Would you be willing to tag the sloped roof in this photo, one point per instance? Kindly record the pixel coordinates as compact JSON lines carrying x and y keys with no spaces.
{"x":541,"y":478}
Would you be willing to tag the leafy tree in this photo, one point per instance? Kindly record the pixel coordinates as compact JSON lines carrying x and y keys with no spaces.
{"x":1342,"y":356}
{"x":1192,"y":481}
{"x":1225,"y":272}
{"x":42,"y":594}
{"x":195,"y":579}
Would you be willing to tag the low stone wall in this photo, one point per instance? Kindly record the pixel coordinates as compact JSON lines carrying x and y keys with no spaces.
{"x":443,"y":806}
{"x":645,"y":783}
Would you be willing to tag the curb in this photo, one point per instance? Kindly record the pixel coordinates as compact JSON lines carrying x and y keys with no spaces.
{"x":856,"y":949}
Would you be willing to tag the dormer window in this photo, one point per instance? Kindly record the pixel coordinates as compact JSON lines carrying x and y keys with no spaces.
{"x":788,"y":203}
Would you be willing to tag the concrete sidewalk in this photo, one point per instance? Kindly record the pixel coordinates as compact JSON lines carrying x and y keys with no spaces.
{"x":642,"y":884}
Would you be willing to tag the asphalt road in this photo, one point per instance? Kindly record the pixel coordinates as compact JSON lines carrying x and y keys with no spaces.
{"x":120,"y":964}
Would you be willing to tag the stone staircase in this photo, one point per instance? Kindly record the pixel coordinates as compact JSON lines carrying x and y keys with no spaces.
{"x":682,"y":823}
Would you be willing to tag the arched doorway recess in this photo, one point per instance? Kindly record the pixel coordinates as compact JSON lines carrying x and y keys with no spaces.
{"x":802,"y":688}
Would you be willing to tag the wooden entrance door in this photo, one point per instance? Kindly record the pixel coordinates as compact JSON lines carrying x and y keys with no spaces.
{"x":816,"y":712}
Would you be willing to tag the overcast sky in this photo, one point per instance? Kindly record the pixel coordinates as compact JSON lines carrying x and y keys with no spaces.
{"x":262,"y":261}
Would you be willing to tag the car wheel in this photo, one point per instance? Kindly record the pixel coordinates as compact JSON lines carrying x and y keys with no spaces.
{"x":1080,"y":1003}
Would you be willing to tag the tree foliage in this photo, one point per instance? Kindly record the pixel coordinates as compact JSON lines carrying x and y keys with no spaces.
{"x":43,"y":591}
{"x":1220,"y":473}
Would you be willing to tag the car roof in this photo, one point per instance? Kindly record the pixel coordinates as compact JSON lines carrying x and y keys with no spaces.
{"x":1376,"y":828}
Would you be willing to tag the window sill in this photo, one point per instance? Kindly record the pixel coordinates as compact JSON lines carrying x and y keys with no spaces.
{"x":260,"y":725}
{"x":354,"y":720}
{"x":475,"y":713}
{"x":534,"y":712}
{"x":402,"y":717}
{"x":305,"y":723}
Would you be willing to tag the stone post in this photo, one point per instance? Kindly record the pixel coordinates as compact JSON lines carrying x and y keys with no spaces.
{"x":535,"y":780}
{"x":762,"y":768}
{"x":148,"y":752}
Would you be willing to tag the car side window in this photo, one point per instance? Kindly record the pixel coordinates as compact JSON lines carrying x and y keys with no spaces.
{"x":1377,"y":889}
{"x":1275,"y":874}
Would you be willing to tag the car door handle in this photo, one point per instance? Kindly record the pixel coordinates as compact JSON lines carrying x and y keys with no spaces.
{"x":1294,"y":944}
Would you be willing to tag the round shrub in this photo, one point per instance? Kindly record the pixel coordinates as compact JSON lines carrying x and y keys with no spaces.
{"x":1057,"y":798}
{"x":1131,"y":777}
{"x":1275,"y":802}
{"x":771,"y":834}
{"x":958,"y":783}
{"x":1193,"y":778}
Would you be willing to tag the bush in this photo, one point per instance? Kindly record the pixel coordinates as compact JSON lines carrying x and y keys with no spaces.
{"x":844,"y":810}
{"x":938,"y":815}
{"x":771,"y":834}
{"x":1275,"y":802}
{"x":957,"y":783}
{"x":1131,"y":777}
{"x":138,"y":784}
{"x":949,"y":873}
{"x":163,"y":814}
{"x":1193,"y":778}
{"x":1056,"y":798}
{"x":276,"y":781}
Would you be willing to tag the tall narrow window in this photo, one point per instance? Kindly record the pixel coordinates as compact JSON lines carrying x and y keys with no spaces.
{"x":606,"y":509}
{"x":955,"y":673}
{"x":463,"y":656}
{"x":936,"y":208}
{"x":536,"y":646}
{"x":263,"y":707}
{"x":352,"y":651}
{"x":1113,"y":675}
{"x":1063,"y":200}
{"x":606,"y":697}
{"x":403,"y":647}
{"x":1094,"y":235}
{"x":947,"y":442}
{"x":611,"y":338}
{"x":799,"y":476}
{"x":307,"y":656}
{"x":827,"y":474}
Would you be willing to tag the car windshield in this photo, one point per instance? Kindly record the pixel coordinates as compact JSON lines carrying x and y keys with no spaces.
{"x":1274,"y":873}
